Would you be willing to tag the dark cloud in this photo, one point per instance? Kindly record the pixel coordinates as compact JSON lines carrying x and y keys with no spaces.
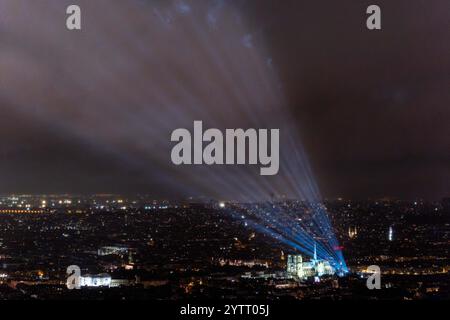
{"x":372,"y":106}
{"x":80,"y":111}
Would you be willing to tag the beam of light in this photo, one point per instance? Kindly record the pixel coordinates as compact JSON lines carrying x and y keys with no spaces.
{"x":141,"y":69}
{"x":284,"y":221}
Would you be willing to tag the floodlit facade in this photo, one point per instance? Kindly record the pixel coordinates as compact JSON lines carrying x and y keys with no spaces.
{"x":99,"y":280}
{"x":314,"y":268}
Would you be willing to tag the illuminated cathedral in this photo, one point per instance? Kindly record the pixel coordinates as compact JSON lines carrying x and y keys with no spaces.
{"x":313,"y":268}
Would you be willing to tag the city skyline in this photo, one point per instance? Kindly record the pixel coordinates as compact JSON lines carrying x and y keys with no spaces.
{"x":258,"y":153}
{"x":141,"y":249}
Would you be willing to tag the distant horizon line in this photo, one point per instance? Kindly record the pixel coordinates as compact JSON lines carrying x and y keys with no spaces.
{"x":206,"y":198}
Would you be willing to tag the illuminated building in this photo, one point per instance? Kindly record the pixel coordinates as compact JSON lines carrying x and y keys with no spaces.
{"x":313,"y":268}
{"x":99,"y":280}
{"x":295,"y":264}
{"x":352,"y":232}
{"x":21,"y":211}
{"x":112,"y":250}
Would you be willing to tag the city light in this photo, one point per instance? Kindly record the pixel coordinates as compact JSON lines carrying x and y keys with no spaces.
{"x":245,"y":152}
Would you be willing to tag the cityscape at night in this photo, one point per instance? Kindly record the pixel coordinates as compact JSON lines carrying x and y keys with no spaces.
{"x":225,"y":158}
{"x":139,"y":248}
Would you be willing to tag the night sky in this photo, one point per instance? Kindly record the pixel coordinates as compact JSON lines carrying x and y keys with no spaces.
{"x":84,"y":111}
